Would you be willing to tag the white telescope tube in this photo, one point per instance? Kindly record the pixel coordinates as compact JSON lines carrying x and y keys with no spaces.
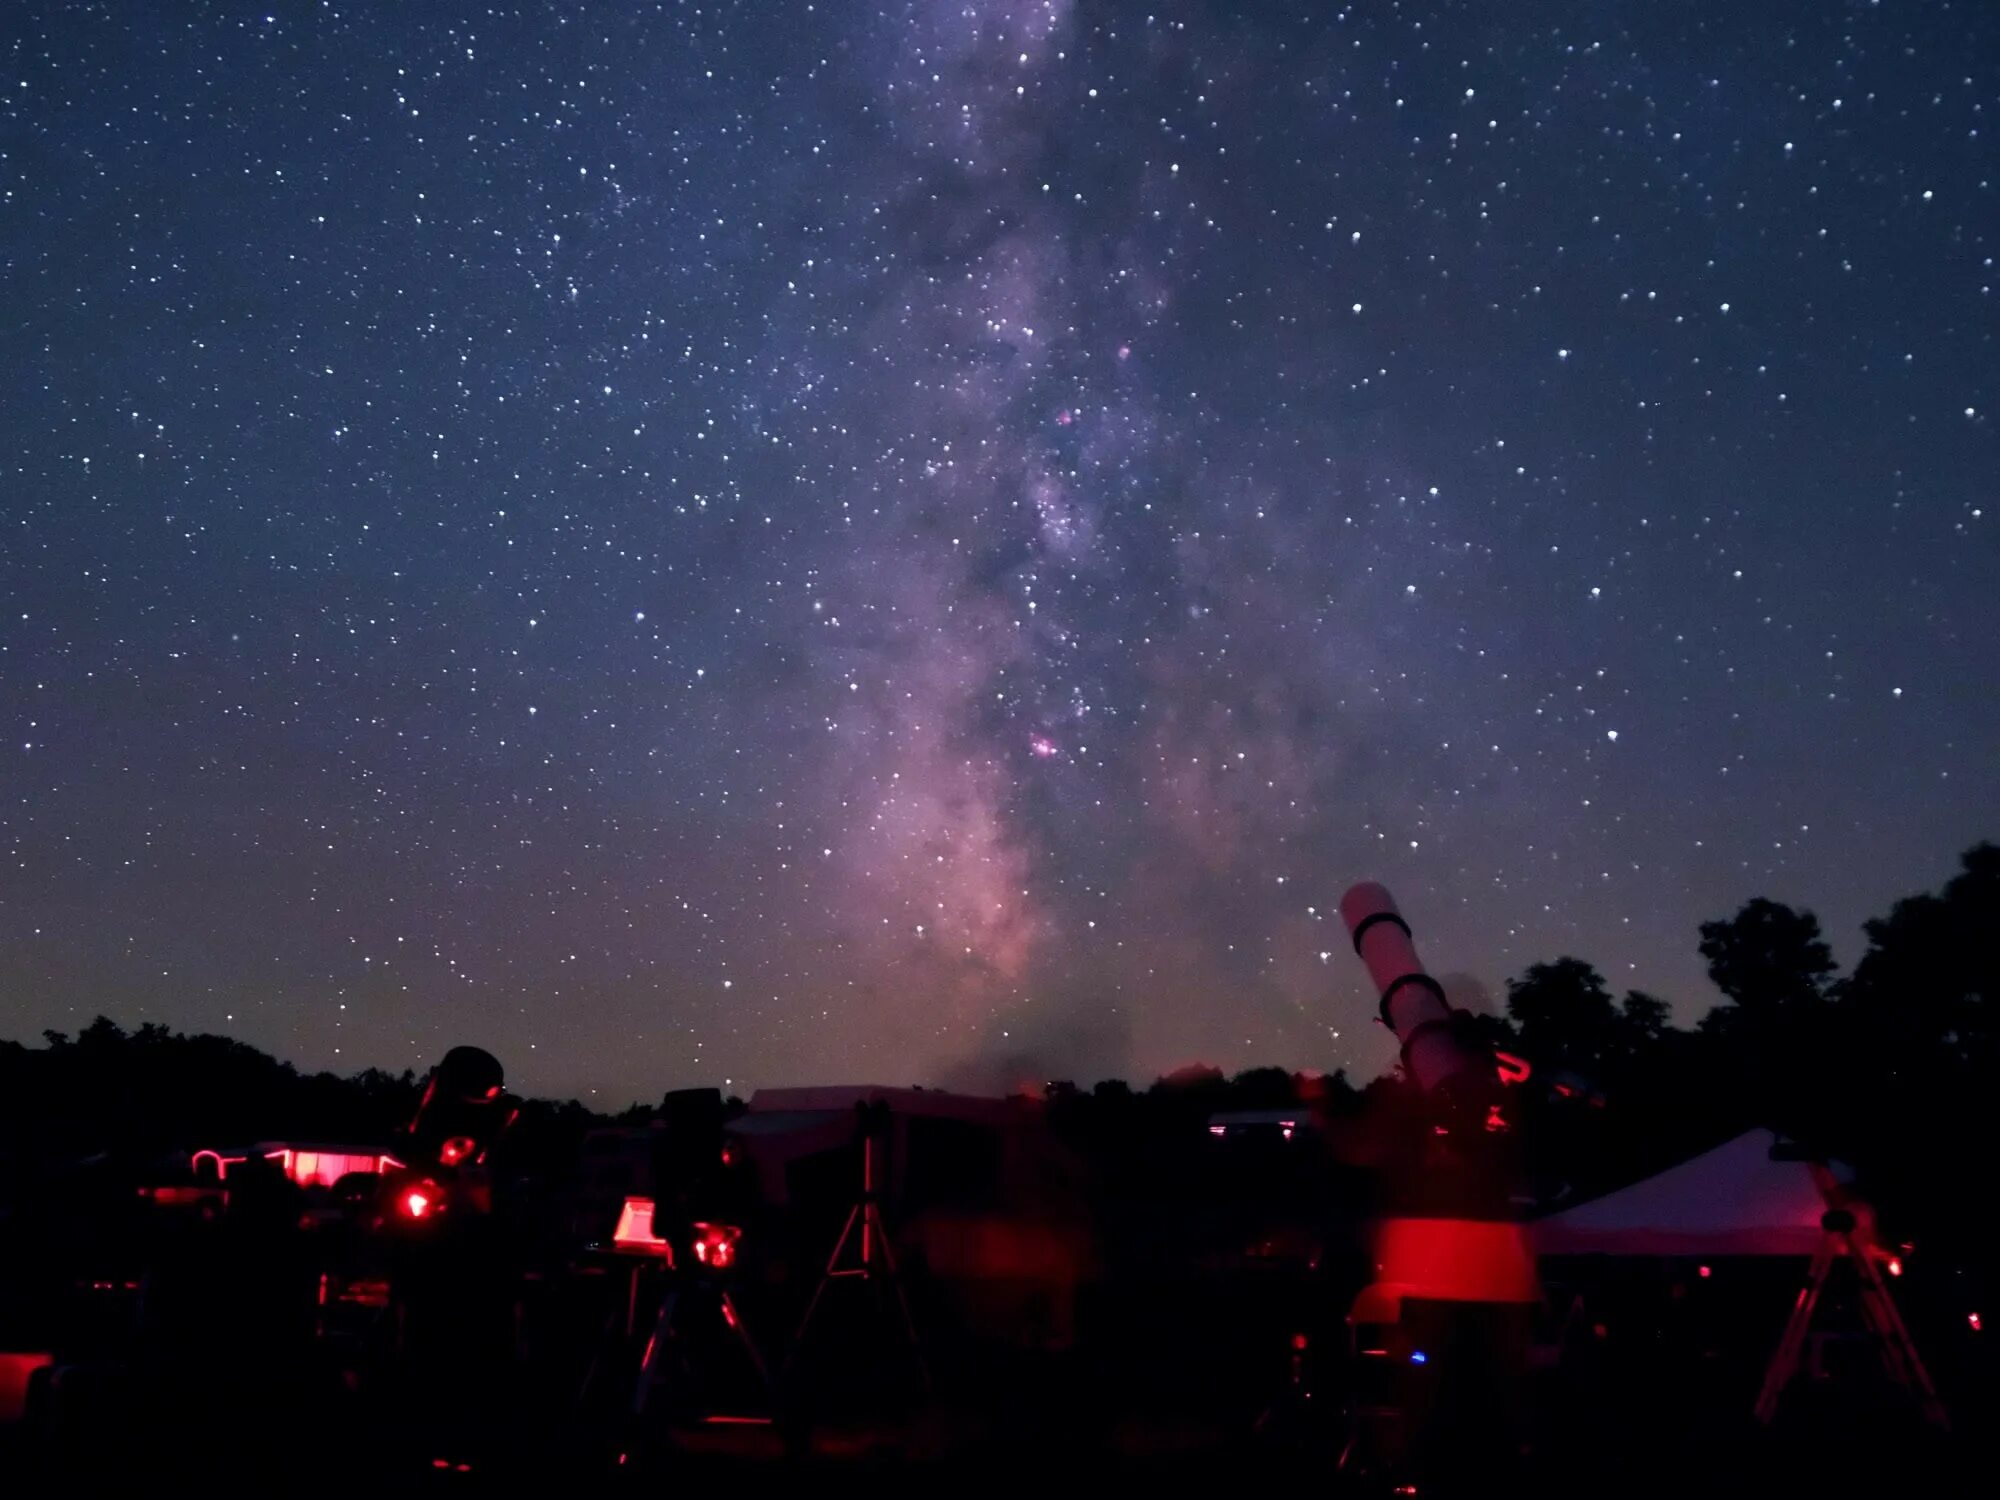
{"x":1435,"y":1052}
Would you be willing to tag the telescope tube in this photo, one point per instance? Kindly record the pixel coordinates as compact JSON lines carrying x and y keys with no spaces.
{"x":1437,"y":1054}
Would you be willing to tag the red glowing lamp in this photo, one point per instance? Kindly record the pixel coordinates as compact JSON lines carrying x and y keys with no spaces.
{"x":635,"y":1231}
{"x":418,"y":1202}
{"x":715,"y":1245}
{"x":456,"y":1149}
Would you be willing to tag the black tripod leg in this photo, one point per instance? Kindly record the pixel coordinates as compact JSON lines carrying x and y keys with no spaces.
{"x":663,"y":1329}
{"x":735,"y":1322}
{"x":604,"y":1340}
{"x":833,"y":1260}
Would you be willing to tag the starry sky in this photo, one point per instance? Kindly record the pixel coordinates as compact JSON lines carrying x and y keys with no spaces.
{"x":927,"y":542}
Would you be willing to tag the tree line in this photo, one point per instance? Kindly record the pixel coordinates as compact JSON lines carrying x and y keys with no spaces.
{"x":1891,"y":1066}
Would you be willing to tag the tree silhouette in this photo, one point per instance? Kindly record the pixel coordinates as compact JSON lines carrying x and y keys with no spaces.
{"x":1924,"y":1059}
{"x":1930,"y":980}
{"x":1643,"y":1020}
{"x":1768,"y":957}
{"x":1565,"y":1014}
{"x":138,"y":1095}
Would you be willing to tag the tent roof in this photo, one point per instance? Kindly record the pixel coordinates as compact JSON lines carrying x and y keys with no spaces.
{"x":1733,"y":1200}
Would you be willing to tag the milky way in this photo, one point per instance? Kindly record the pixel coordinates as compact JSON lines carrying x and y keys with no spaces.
{"x":778,"y":543}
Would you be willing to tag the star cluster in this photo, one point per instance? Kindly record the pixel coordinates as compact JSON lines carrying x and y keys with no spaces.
{"x":771,"y":543}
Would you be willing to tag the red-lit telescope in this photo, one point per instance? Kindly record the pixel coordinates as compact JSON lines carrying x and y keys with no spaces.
{"x":1438,"y":1055}
{"x":1450,"y":1235}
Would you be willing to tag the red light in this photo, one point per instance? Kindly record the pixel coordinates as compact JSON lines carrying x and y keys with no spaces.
{"x":635,"y":1230}
{"x":1895,"y":1265}
{"x":1457,"y":1260}
{"x":457,"y":1149}
{"x":417,"y":1203}
{"x":1972,"y":1320}
{"x":1513,"y":1069}
{"x":715,"y":1245}
{"x":1298,"y":1341}
{"x":1703,"y":1272}
{"x":17,"y":1371}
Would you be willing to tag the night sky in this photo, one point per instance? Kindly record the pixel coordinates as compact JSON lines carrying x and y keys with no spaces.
{"x":789,"y":543}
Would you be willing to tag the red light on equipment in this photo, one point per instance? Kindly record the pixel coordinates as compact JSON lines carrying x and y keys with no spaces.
{"x":418,"y":1202}
{"x":635,"y":1230}
{"x":1457,"y":1260}
{"x":1895,"y":1267}
{"x":17,"y":1373}
{"x":1972,"y":1322}
{"x":1703,"y":1272}
{"x":715,"y":1245}
{"x":456,"y":1149}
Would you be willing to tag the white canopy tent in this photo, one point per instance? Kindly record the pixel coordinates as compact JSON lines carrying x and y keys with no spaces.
{"x":1734,"y":1200}
{"x":1744,"y":1198}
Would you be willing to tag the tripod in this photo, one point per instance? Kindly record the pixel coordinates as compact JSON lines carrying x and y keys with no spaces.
{"x":1885,"y":1324}
{"x":873,"y":1258}
{"x":685,"y":1290}
{"x":687,"y":1297}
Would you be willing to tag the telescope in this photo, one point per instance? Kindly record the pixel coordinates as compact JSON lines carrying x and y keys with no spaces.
{"x":465,"y":1108}
{"x":1455,"y":1277}
{"x":1438,"y":1053}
